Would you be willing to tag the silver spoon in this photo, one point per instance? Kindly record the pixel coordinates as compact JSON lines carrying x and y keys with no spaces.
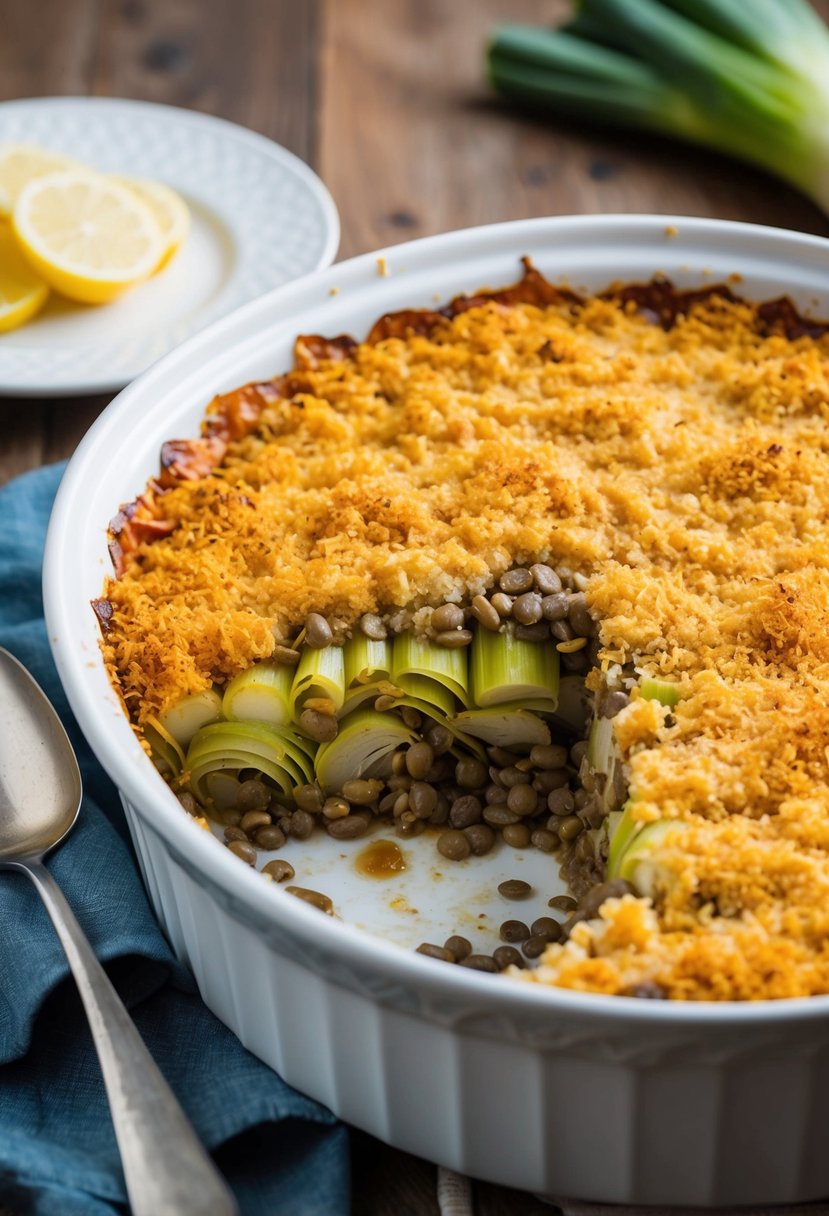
{"x":167,"y":1171}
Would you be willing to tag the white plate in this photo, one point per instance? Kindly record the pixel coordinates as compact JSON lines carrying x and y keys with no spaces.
{"x":259,"y":218}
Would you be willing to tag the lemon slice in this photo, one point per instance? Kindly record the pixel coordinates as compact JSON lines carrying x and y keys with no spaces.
{"x":89,"y":237}
{"x":170,"y":211}
{"x":22,"y":292}
{"x":19,"y":164}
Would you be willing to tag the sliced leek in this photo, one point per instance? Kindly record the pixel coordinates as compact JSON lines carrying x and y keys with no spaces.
{"x":506,"y":670}
{"x":168,"y":756}
{"x":640,"y":863}
{"x":664,"y":691}
{"x":503,"y":727}
{"x":281,"y":756}
{"x":366,"y":661}
{"x":425,"y":670}
{"x":260,"y":694}
{"x":319,"y":675}
{"x":363,"y":748}
{"x":191,"y":714}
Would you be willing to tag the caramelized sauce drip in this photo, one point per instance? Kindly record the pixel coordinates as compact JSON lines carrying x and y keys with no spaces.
{"x":381,"y":859}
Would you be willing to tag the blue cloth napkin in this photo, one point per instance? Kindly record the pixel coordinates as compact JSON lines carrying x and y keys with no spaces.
{"x":280,"y":1151}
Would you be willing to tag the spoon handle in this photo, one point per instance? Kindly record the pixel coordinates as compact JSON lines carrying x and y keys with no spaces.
{"x":167,"y":1171}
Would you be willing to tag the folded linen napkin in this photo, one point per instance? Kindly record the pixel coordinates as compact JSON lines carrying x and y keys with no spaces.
{"x":280,"y":1151}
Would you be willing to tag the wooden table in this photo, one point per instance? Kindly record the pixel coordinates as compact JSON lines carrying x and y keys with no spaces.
{"x":387,"y":101}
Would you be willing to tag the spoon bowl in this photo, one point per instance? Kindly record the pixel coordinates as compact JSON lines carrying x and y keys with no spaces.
{"x":40,"y":782}
{"x":166,"y":1170}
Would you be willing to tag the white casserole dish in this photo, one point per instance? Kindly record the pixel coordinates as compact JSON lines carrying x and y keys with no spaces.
{"x":570,"y":1095}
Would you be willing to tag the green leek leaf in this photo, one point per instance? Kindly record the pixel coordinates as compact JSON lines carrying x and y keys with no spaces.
{"x":363,"y":748}
{"x":506,"y":670}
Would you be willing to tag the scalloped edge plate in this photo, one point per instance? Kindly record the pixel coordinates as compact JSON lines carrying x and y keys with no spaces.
{"x":259,"y":218}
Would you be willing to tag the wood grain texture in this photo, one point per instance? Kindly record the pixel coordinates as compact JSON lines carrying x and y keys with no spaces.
{"x":386,"y":98}
{"x":404,"y":107}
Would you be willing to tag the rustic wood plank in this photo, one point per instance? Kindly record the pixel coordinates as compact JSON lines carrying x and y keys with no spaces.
{"x":410,"y":114}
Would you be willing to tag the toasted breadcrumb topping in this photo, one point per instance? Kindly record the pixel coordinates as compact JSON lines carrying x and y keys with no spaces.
{"x":685,"y":470}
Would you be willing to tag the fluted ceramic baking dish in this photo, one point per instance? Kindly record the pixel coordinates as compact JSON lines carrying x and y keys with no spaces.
{"x":570,"y":1095}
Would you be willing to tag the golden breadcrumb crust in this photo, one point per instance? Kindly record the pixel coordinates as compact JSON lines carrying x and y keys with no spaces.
{"x":684,"y":469}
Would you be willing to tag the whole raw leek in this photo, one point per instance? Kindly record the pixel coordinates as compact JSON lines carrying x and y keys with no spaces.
{"x":747,"y":77}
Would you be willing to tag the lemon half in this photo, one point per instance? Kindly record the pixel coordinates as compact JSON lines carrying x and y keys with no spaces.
{"x":22,"y":292}
{"x":20,"y":164}
{"x":89,"y":237}
{"x":169,"y":209}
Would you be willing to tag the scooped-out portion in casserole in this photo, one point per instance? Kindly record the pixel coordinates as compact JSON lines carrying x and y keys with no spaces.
{"x":536,"y":571}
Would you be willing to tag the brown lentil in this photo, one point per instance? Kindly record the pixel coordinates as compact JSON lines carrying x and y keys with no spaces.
{"x":515,"y":888}
{"x":527,"y":608}
{"x":460,"y":947}
{"x":545,"y":578}
{"x":479,"y":962}
{"x":513,"y":582}
{"x":373,"y":627}
{"x":419,"y":759}
{"x":349,"y":828}
{"x":318,"y":633}
{"x":516,"y":835}
{"x":544,"y":840}
{"x":534,"y":946}
{"x":315,"y":898}
{"x":539,"y":632}
{"x":564,"y":903}
{"x":547,"y":928}
{"x":322,"y":728}
{"x":361,"y":793}
{"x":495,"y":794}
{"x":561,"y":801}
{"x":279,"y":870}
{"x":511,"y":776}
{"x":646,"y":991}
{"x":569,"y":827}
{"x":401,"y":805}
{"x":440,"y":814}
{"x":561,"y":631}
{"x":449,"y":616}
{"x":270,"y":838}
{"x":550,"y":779}
{"x":572,"y":647}
{"x":507,"y":956}
{"x":500,"y":756}
{"x":384,"y":703}
{"x":578,"y":616}
{"x":513,"y":931}
{"x":499,"y":816}
{"x":234,"y":833}
{"x":439,"y":738}
{"x":453,"y":639}
{"x":252,"y":795}
{"x":309,"y":798}
{"x":465,"y":811}
{"x":255,"y":819}
{"x":470,"y":773}
{"x":335,"y":808}
{"x":481,"y":838}
{"x":578,"y":751}
{"x":411,"y":717}
{"x":243,"y":850}
{"x":438,"y":952}
{"x":614,"y":703}
{"x":189,"y":802}
{"x":549,"y":755}
{"x":454,"y":845}
{"x":285,"y":656}
{"x":423,"y":799}
{"x":522,"y":799}
{"x":554,"y":607}
{"x":502,"y":604}
{"x":302,"y":825}
{"x":485,"y":613}
{"x":398,"y":764}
